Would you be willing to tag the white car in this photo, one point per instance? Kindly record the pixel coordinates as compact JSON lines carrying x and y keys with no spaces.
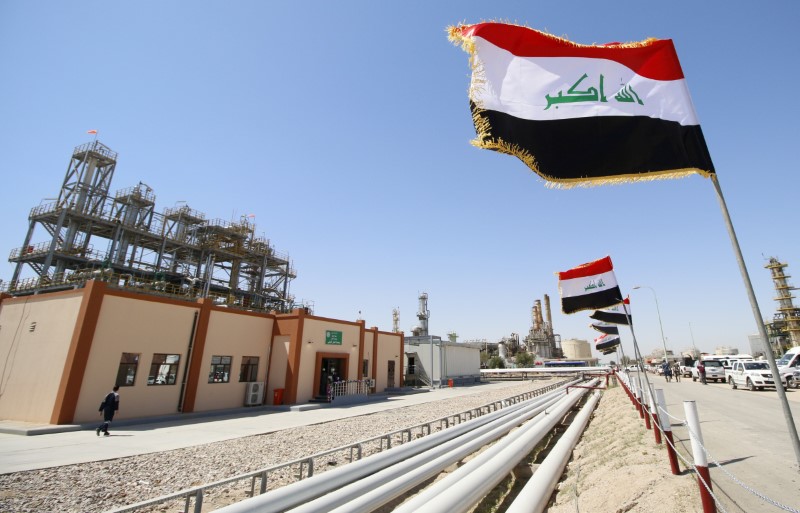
{"x":714,"y":371}
{"x":752,"y":374}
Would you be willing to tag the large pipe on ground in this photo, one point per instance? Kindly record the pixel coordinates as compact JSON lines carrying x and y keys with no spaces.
{"x":535,"y":495}
{"x":464,"y":488}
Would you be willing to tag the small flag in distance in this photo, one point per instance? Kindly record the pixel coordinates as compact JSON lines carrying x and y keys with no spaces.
{"x":91,"y":132}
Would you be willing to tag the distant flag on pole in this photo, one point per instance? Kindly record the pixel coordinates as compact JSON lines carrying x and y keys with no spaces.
{"x":589,"y":286}
{"x":581,"y":115}
{"x":604,"y":342}
{"x":608,"y":329}
{"x":615,"y":314}
{"x":94,"y":132}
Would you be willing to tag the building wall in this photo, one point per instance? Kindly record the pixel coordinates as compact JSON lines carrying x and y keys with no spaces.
{"x":33,"y":361}
{"x":314,"y":346}
{"x":129,"y":324}
{"x":83,"y":334}
{"x":461,"y":361}
{"x":279,"y":360}
{"x":390,"y":348}
{"x":236,"y":334}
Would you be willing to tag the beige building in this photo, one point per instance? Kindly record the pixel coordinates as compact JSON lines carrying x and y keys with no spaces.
{"x":65,"y":350}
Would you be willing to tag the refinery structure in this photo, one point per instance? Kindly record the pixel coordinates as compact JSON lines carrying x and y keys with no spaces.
{"x":90,"y":233}
{"x":785,"y":328}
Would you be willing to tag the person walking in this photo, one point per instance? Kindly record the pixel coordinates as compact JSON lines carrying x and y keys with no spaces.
{"x":108,"y":408}
{"x":701,"y":370}
{"x":677,"y":371}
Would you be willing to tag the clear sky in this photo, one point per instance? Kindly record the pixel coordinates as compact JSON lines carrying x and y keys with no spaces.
{"x":345,"y":128}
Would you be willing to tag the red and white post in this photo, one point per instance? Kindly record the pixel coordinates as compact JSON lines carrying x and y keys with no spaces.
{"x":666,"y":427}
{"x":700,"y":461}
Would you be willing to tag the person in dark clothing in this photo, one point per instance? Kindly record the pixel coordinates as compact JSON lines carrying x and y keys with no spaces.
{"x":108,"y":408}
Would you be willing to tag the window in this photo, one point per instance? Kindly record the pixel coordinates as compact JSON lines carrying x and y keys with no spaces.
{"x":365,"y":369}
{"x":249,"y":370}
{"x":126,"y":374}
{"x":164,"y":369}
{"x":220,"y":369}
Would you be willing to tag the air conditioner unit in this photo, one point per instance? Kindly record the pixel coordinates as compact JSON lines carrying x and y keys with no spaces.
{"x":254,"y":393}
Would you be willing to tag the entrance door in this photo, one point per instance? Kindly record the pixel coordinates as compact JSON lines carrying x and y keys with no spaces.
{"x":331,"y":370}
{"x":390,"y":378}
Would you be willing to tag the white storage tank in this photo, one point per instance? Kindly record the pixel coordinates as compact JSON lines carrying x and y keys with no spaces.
{"x":576,"y":349}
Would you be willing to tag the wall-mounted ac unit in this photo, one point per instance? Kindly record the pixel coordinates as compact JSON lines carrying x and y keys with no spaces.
{"x":254,"y":393}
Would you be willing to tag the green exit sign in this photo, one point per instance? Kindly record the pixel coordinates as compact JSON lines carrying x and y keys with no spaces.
{"x":333,"y":338}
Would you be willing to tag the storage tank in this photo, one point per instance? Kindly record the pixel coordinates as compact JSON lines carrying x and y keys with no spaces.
{"x":576,"y":349}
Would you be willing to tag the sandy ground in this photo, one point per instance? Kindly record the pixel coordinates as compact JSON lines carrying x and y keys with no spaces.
{"x":617,"y":467}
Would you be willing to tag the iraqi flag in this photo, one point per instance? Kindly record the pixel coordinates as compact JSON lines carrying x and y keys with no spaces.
{"x":615,"y":314}
{"x":582,"y":115}
{"x":608,"y":329}
{"x":589,"y":286}
{"x":609,"y":351}
{"x":605,"y":342}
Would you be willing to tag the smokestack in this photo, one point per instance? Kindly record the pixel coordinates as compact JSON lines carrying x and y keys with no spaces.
{"x":537,"y":308}
{"x":547,"y":311}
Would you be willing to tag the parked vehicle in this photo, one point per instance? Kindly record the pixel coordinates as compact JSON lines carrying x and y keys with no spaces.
{"x":714,"y":371}
{"x":686,"y":371}
{"x":790,"y":360}
{"x":755,"y":375}
{"x":728,"y":360}
{"x":793,"y":379}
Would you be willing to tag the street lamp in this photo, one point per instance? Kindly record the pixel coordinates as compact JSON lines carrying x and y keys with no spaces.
{"x":658,"y":311}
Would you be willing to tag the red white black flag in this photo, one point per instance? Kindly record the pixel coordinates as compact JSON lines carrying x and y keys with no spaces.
{"x":608,"y":329}
{"x":605,"y":342}
{"x":589,"y":286}
{"x":582,"y":115}
{"x":615,"y":314}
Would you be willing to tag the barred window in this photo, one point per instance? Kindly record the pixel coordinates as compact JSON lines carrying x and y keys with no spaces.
{"x":220,"y":369}
{"x":164,"y":369}
{"x":126,"y":374}
{"x":249,"y":369}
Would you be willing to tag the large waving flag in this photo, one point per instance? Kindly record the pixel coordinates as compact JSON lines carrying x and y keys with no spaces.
{"x":589,"y":286}
{"x":582,"y":115}
{"x":615,"y":314}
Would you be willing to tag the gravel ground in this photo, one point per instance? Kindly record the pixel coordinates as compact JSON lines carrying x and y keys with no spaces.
{"x":104,"y":485}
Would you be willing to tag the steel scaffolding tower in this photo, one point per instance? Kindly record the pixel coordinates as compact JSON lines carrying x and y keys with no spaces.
{"x":787,"y":313}
{"x":122,"y":240}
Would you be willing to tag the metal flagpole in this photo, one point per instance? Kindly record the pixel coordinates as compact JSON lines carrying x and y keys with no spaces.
{"x":638,"y":355}
{"x":762,"y":331}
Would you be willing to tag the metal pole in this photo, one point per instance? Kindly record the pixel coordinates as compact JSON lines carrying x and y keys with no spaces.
{"x":787,"y":413}
{"x":658,"y":311}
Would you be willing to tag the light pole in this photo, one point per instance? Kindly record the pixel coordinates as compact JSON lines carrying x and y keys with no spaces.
{"x":658,"y":311}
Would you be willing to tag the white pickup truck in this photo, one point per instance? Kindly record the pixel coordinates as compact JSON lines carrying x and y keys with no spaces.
{"x":714,"y":370}
{"x":751,"y":374}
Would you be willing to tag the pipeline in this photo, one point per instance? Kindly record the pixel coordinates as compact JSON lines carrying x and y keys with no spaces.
{"x":462,"y":489}
{"x":535,"y":495}
{"x":303,"y":492}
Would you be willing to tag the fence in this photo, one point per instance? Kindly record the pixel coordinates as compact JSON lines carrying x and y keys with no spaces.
{"x":305,"y":467}
{"x":652,"y":407}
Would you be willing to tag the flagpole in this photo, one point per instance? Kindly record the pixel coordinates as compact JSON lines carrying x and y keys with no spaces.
{"x":636,"y":352}
{"x":787,"y":412}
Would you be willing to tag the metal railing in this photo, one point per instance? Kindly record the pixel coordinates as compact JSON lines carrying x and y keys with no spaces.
{"x":303,"y":468}
{"x":350,"y":387}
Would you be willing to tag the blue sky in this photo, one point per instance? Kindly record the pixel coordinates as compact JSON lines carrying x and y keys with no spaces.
{"x":344,"y":127}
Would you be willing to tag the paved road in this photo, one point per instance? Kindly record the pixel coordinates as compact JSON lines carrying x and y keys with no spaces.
{"x":746,"y":433}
